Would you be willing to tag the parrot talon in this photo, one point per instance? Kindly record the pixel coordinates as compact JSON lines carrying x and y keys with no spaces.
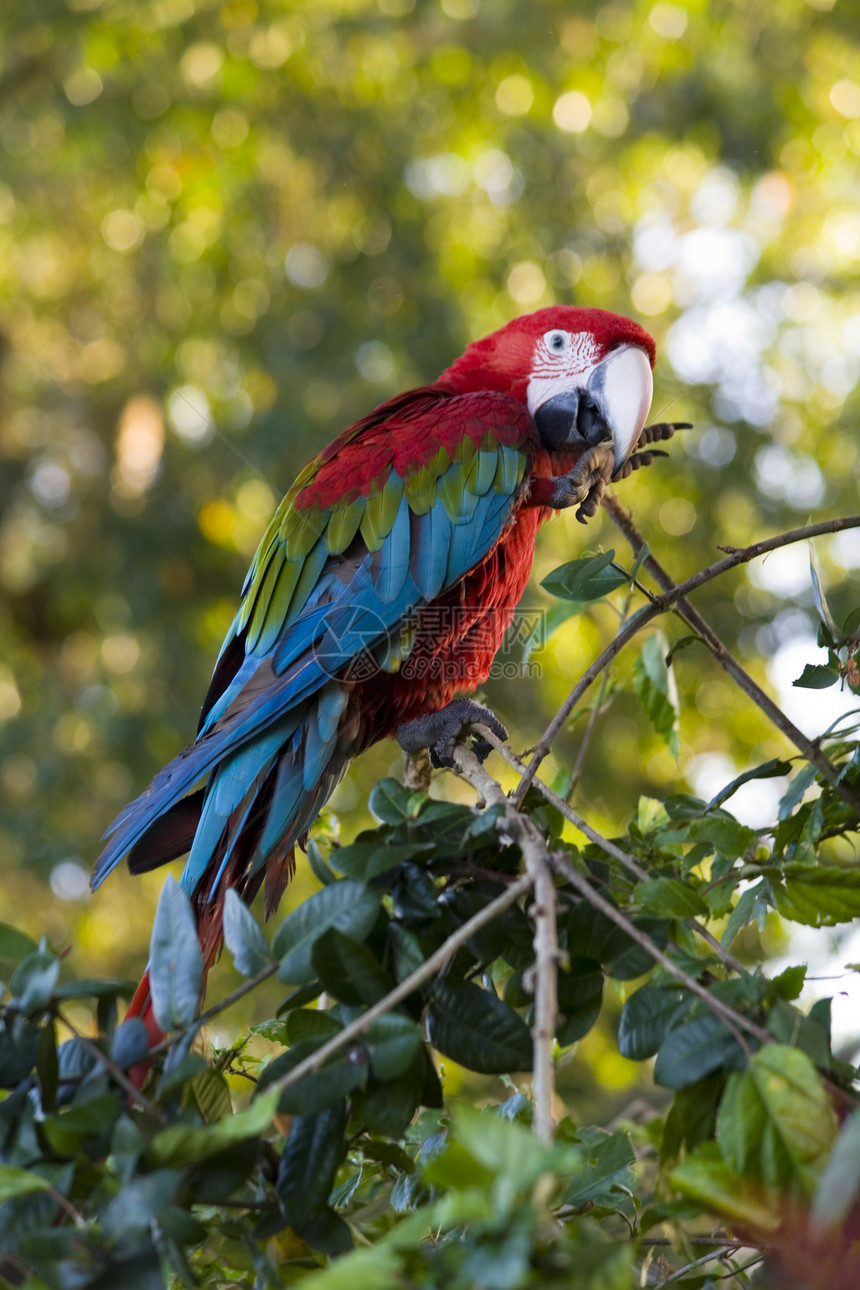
{"x":441,"y":731}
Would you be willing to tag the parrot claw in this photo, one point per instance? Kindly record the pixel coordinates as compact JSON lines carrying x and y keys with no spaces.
{"x":585,"y":483}
{"x":440,"y":731}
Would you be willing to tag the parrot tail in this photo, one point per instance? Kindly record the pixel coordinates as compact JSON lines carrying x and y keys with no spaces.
{"x":141,"y":1006}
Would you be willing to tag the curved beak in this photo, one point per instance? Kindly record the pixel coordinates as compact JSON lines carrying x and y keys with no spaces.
{"x":613,"y":406}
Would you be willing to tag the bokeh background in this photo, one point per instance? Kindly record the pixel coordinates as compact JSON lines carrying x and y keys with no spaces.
{"x":229,"y":229}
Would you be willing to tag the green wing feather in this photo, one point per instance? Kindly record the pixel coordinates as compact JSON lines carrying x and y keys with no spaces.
{"x":301,"y":541}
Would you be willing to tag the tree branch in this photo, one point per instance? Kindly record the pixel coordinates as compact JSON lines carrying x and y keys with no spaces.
{"x":659,"y":605}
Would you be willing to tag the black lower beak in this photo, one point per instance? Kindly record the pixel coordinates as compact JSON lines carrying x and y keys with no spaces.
{"x":570,"y":419}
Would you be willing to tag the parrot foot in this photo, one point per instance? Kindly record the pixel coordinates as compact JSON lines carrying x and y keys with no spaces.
{"x":440,"y":731}
{"x":585,"y":483}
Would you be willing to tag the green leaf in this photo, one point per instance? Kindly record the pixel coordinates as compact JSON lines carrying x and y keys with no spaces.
{"x":506,"y":1148}
{"x":19,"y":1182}
{"x":646,"y":1019}
{"x":839,"y":1183}
{"x":707,"y":1178}
{"x":477,"y":1030}
{"x":394,"y":1041}
{"x":817,"y":676}
{"x":347,"y":906}
{"x":694,"y":1049}
{"x":244,"y":937}
{"x":767,"y":770}
{"x":819,"y":897}
{"x":580,"y":998}
{"x":587,"y":579}
{"x":309,"y":1023}
{"x":669,"y":897}
{"x":34,"y":979}
{"x":175,"y":960}
{"x":750,"y":905}
{"x":775,"y":1124}
{"x":139,"y":1202}
{"x":656,"y":690}
{"x":378,"y":1268}
{"x":406,"y":948}
{"x":14,"y":944}
{"x":180,"y":1144}
{"x":391,"y":802}
{"x":366,"y":860}
{"x":790,"y":1026}
{"x":69,"y":1127}
{"x":607,"y":1169}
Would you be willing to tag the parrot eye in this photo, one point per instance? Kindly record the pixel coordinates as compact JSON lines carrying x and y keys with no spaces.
{"x":557,"y":341}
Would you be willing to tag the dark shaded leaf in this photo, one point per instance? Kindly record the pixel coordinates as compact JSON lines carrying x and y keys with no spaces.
{"x":347,"y":969}
{"x":695,"y":1049}
{"x":366,"y":860}
{"x":394,"y":1042}
{"x":329,"y":1086}
{"x":646,"y":1019}
{"x":130,"y":1043}
{"x":817,"y":676}
{"x":139,"y":1202}
{"x":477,"y":1030}
{"x":312,"y":1156}
{"x":580,"y":998}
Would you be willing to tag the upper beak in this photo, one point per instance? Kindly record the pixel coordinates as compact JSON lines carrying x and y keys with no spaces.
{"x":612,"y":406}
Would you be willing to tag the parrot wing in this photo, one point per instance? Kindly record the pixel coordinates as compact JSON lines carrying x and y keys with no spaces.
{"x":394,"y":512}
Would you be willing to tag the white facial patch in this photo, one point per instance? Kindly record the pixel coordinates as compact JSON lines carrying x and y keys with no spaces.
{"x":553,"y":373}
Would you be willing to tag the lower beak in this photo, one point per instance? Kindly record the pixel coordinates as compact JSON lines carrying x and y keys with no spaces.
{"x":612,"y":407}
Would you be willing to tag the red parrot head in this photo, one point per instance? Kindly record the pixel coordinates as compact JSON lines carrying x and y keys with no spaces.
{"x":584,"y":374}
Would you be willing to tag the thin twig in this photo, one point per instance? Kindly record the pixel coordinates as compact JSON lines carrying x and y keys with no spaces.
{"x":659,"y":605}
{"x":713,"y":1257}
{"x":735,"y":1021}
{"x":116,"y":1072}
{"x":436,"y":961}
{"x":623,"y":521}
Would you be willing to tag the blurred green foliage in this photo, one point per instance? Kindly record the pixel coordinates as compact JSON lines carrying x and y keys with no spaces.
{"x":228,"y":229}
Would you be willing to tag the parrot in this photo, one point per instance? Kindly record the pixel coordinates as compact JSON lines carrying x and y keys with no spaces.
{"x":380,"y":594}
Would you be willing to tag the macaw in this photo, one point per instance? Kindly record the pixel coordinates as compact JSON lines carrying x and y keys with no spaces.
{"x":426,"y":510}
